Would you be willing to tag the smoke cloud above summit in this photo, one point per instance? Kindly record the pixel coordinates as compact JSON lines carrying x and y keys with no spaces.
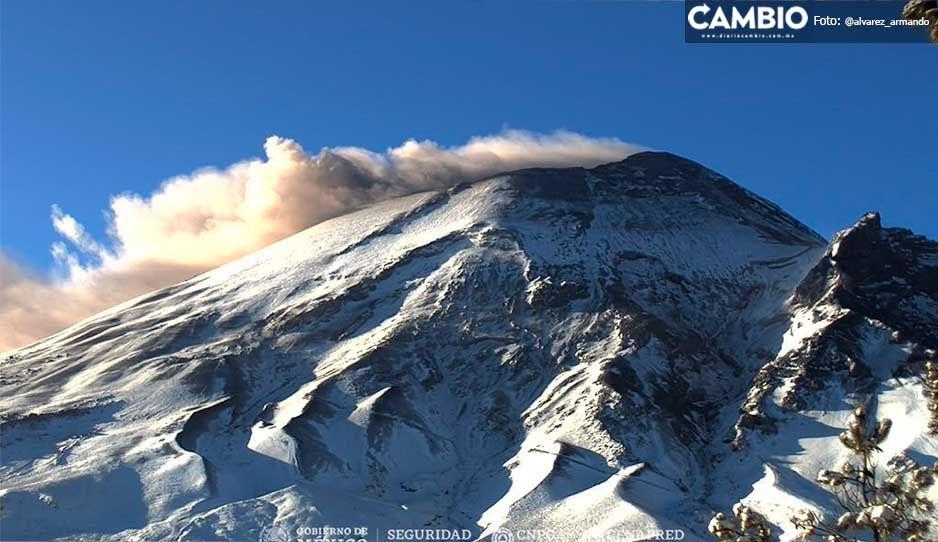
{"x":195,"y":222}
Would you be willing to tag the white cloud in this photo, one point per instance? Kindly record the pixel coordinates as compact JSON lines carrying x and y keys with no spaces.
{"x":74,"y":232}
{"x":198,"y":221}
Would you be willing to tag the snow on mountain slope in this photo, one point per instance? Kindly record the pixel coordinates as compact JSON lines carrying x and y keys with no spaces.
{"x":546,"y":349}
{"x":864,"y":322}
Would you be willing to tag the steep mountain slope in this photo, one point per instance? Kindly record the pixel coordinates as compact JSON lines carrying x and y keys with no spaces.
{"x":565,"y":350}
{"x":864,"y":322}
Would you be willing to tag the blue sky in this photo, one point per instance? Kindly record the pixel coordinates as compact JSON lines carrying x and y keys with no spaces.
{"x":100,"y":98}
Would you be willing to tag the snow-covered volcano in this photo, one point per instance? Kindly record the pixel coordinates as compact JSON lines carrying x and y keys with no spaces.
{"x":577,"y":352}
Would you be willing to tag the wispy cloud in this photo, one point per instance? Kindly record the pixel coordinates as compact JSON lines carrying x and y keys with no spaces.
{"x":198,"y":221}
